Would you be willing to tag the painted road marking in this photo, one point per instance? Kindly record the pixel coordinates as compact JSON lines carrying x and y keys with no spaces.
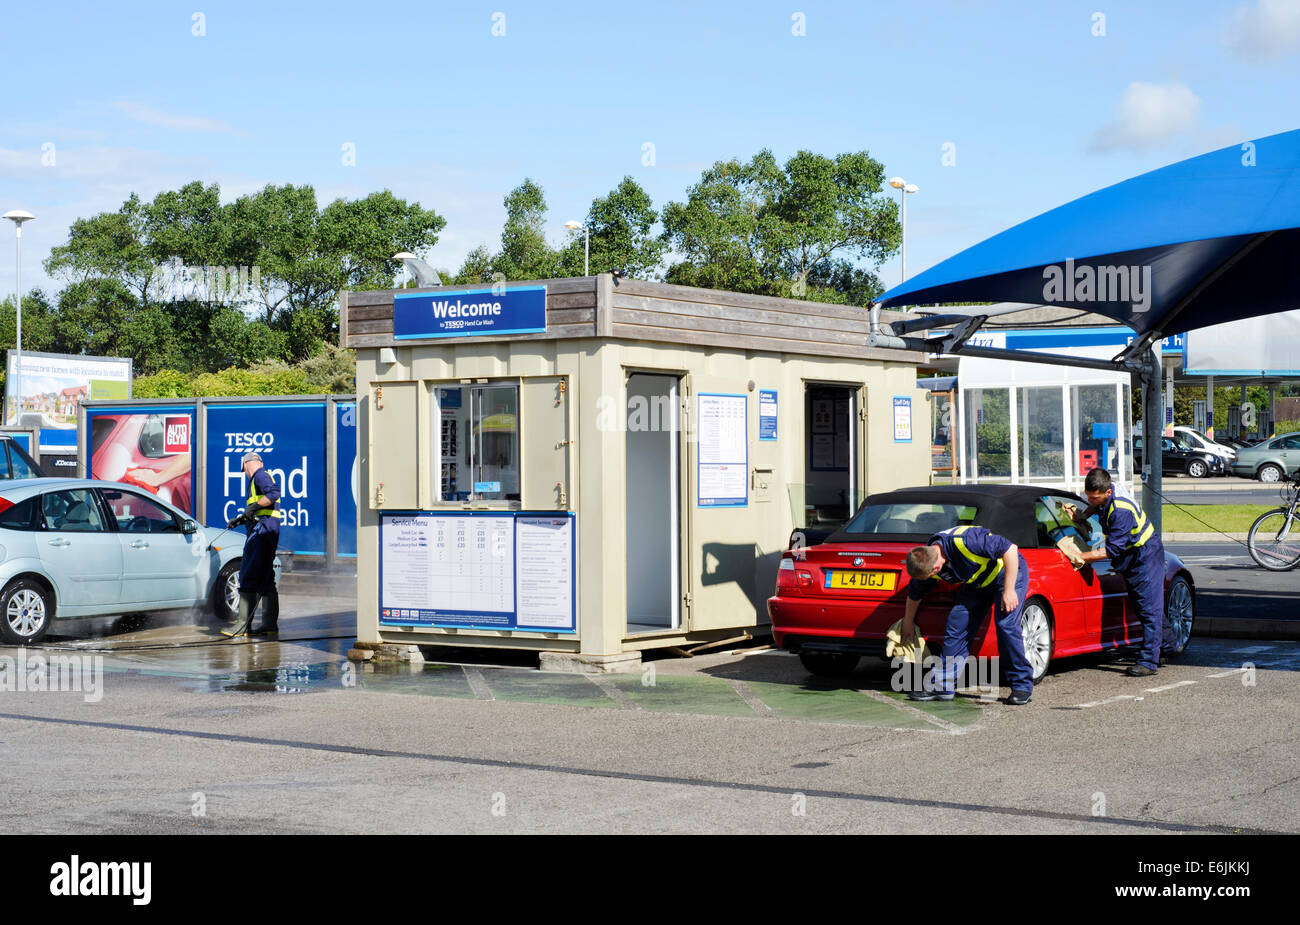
{"x":746,"y":694}
{"x":1168,"y":687}
{"x":613,"y":692}
{"x":477,"y":683}
{"x":1228,"y":674}
{"x":1097,"y":703}
{"x":1251,"y":650}
{"x":951,"y":728}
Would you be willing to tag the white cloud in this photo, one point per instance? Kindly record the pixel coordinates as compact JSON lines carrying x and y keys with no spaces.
{"x":138,"y":112}
{"x":1269,"y":29}
{"x":1149,"y":116}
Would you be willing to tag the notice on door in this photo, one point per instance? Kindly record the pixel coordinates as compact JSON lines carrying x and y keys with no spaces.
{"x":492,"y":570}
{"x":544,"y":548}
{"x":723,"y":437}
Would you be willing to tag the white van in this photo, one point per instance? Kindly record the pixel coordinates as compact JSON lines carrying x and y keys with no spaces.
{"x":1198,"y":441}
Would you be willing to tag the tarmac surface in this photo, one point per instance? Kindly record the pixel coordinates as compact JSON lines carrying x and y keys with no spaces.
{"x":194,"y":733}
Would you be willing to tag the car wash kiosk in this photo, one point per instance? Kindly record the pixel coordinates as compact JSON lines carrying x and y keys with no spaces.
{"x":591,"y":467}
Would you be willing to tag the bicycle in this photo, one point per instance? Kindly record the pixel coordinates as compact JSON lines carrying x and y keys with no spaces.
{"x":1274,"y":538}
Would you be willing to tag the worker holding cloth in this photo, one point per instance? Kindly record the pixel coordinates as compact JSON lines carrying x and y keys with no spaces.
{"x":257,"y":570}
{"x":992,"y":573}
{"x":1135,"y":551}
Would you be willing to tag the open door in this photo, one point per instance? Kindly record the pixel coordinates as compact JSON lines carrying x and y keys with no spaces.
{"x":653,"y":502}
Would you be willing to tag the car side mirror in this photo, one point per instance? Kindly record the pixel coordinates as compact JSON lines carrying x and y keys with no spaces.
{"x":189,"y":527}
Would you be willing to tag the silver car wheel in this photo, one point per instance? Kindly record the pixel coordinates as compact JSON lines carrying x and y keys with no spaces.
{"x":1036,"y":630}
{"x":1270,"y":474}
{"x":231,"y":592}
{"x":25,"y":613}
{"x":1180,"y":611}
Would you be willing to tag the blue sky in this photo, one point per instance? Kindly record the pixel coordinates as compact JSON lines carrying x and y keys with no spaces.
{"x":1037,"y":107}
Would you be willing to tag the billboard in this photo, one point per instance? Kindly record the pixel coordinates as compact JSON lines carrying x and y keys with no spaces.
{"x":1268,"y":345}
{"x":151,"y":447}
{"x":290,"y":438}
{"x":48,"y":390}
{"x":345,"y":468}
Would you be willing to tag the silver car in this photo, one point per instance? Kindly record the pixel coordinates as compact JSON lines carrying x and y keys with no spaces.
{"x":1270,"y":461}
{"x":73,"y":548}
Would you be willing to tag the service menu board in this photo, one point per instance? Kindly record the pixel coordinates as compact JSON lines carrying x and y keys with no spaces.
{"x":487,"y":569}
{"x":723,"y":435}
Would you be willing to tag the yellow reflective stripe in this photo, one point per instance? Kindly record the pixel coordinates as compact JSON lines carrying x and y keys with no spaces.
{"x":1142,"y":529}
{"x":984,"y":563}
{"x":264,"y":512}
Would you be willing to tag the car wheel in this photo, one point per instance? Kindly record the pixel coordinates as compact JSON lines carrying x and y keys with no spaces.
{"x":1197,"y":469}
{"x":829,"y":664}
{"x":1036,"y":629}
{"x":26,"y":608}
{"x":1180,"y":611}
{"x":1270,"y":473}
{"x":225,"y":592}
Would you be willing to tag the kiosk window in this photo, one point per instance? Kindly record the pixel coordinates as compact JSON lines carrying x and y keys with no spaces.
{"x":478,"y":443}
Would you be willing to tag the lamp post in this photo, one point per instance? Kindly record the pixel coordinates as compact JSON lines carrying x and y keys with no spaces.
{"x":403,"y":256}
{"x":18,"y":216}
{"x":899,"y":183}
{"x":586,"y":244}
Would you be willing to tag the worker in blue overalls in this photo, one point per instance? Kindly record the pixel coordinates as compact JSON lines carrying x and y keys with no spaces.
{"x":1135,"y":551}
{"x":257,"y":570}
{"x":992,"y":573}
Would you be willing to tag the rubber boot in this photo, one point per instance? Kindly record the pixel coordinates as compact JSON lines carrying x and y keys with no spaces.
{"x":247,"y":607}
{"x":270,"y":615}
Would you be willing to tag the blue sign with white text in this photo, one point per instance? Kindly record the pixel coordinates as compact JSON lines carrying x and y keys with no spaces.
{"x":345,"y":469}
{"x":469,"y":312}
{"x":766,"y":414}
{"x":290,"y":438}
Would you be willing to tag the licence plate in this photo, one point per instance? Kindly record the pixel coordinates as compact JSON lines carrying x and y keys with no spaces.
{"x":861,"y":581}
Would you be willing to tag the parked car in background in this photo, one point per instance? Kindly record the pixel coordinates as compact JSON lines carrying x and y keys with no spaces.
{"x":72,"y":548}
{"x":1236,"y":443}
{"x":1195,"y":440}
{"x":1176,"y":457}
{"x":835,"y":601}
{"x":1270,"y":461}
{"x":14,"y":461}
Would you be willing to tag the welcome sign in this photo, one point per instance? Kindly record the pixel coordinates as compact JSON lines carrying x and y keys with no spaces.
{"x":469,"y":312}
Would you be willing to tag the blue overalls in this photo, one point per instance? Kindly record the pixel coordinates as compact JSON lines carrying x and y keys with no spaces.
{"x":257,"y":570}
{"x":973,"y":557}
{"x":1136,"y":552}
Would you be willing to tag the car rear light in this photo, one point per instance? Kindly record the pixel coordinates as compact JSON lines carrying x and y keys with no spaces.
{"x":5,"y":504}
{"x":785,"y":575}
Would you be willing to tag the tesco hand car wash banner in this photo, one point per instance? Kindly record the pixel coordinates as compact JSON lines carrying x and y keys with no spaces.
{"x":346,"y":480}
{"x":470,"y":312}
{"x":290,"y":438}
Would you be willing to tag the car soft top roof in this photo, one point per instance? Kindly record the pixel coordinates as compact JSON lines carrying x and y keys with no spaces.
{"x":1007,"y":510}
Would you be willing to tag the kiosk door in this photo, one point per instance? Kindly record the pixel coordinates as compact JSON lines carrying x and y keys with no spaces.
{"x":832,"y":451}
{"x":653,"y":496}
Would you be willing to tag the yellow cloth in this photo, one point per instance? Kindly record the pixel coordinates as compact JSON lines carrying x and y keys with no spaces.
{"x":914,"y":650}
{"x":1068,"y":546}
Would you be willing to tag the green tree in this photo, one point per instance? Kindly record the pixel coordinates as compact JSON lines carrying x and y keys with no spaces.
{"x":795,"y":230}
{"x":620,"y":227}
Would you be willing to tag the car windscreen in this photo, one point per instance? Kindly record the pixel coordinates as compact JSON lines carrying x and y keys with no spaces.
{"x":910,"y":517}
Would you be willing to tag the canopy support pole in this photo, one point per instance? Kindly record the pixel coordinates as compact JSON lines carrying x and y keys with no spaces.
{"x":1153,"y":418}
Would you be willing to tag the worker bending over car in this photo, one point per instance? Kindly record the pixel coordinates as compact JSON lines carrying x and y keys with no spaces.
{"x":992,"y":573}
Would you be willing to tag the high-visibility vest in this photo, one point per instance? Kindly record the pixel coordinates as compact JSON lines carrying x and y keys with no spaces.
{"x":1142,"y":530}
{"x":271,"y":511}
{"x":987,"y":570}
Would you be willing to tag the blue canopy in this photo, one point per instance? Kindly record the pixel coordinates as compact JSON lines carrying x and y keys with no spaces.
{"x":1211,"y":239}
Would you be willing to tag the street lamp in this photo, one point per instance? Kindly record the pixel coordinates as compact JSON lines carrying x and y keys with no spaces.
{"x":586,"y":244}
{"x":404,"y":256}
{"x":18,"y":216}
{"x":899,"y":183}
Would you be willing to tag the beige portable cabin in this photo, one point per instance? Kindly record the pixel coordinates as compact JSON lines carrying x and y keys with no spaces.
{"x":622,"y":476}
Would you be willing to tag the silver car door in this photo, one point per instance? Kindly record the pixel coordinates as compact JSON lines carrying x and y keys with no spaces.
{"x":83,"y":557}
{"x":159,"y":565}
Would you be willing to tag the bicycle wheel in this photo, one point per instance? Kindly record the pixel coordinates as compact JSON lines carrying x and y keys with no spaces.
{"x":1274,"y":540}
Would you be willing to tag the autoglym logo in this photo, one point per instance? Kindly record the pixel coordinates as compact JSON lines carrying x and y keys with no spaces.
{"x":176,"y":434}
{"x":76,"y":877}
{"x":1102,"y":283}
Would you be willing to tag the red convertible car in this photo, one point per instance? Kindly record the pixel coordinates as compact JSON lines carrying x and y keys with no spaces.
{"x":835,"y":601}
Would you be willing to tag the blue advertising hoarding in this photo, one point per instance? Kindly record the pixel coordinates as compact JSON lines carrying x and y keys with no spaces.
{"x":469,"y":312}
{"x":345,"y":479}
{"x":290,"y":438}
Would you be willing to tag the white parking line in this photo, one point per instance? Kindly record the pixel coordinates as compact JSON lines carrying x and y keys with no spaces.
{"x":1097,"y":703}
{"x":1228,"y":674}
{"x":1168,"y":687}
